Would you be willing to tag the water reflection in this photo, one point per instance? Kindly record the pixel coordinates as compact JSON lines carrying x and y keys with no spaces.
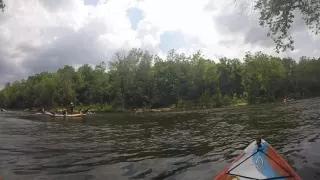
{"x":185,"y":145}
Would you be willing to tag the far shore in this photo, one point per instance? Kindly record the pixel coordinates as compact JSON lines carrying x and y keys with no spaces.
{"x":109,"y":109}
{"x":104,"y":109}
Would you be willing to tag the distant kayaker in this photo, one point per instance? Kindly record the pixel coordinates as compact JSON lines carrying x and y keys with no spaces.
{"x":286,"y":99}
{"x":71,"y":107}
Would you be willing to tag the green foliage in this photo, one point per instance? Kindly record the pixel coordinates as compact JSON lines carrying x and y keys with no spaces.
{"x":239,"y":100}
{"x":97,"y":107}
{"x":2,"y":5}
{"x":137,"y":79}
{"x":263,"y":75}
{"x":278,"y":16}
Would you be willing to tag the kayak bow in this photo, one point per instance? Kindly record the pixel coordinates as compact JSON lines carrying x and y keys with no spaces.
{"x":259,"y":161}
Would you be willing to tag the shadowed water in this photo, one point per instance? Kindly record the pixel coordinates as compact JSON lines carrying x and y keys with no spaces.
{"x":185,"y":145}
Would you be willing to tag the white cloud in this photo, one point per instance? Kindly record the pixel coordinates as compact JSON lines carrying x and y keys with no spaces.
{"x":39,"y":35}
{"x":188,"y":17}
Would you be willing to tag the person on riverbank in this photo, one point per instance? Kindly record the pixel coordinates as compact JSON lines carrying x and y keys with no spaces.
{"x":71,"y":107}
{"x":89,"y":112}
{"x":59,"y":111}
{"x":64,"y":112}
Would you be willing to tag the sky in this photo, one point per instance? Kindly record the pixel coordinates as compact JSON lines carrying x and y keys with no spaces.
{"x":44,"y":35}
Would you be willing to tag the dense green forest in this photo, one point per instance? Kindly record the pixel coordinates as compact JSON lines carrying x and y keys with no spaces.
{"x":137,"y":79}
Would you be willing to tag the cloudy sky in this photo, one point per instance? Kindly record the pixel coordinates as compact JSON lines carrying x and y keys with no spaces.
{"x":44,"y":35}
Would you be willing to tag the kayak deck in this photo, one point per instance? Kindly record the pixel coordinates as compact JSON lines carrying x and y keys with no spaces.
{"x":259,"y":162}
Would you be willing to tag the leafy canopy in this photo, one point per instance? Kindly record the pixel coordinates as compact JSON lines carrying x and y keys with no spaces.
{"x":278,"y":16}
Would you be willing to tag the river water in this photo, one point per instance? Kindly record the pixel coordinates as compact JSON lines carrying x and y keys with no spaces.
{"x":185,"y":145}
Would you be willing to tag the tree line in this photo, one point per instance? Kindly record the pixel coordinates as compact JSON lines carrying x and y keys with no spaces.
{"x":138,"y":79}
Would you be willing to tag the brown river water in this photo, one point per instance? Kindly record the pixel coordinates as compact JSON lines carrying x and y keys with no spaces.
{"x":188,"y":145}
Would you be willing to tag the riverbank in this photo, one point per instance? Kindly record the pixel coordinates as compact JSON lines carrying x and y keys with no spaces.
{"x":110,"y":109}
{"x":182,"y":107}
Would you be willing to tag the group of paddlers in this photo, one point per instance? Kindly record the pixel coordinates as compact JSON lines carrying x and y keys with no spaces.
{"x":64,"y":111}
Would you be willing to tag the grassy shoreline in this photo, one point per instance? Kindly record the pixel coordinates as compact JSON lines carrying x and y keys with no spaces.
{"x":173,"y":108}
{"x":110,"y":109}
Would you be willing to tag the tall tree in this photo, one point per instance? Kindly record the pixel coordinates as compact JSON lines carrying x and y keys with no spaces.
{"x":278,"y":16}
{"x":2,"y":5}
{"x":137,"y":79}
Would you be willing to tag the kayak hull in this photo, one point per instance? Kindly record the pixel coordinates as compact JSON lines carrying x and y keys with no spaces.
{"x":258,"y":163}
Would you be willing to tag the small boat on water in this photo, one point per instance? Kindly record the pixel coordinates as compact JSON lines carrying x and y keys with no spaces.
{"x":65,"y":115}
{"x":258,"y":161}
{"x":60,"y":114}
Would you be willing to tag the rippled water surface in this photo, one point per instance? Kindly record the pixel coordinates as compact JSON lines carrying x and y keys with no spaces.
{"x":185,"y":145}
